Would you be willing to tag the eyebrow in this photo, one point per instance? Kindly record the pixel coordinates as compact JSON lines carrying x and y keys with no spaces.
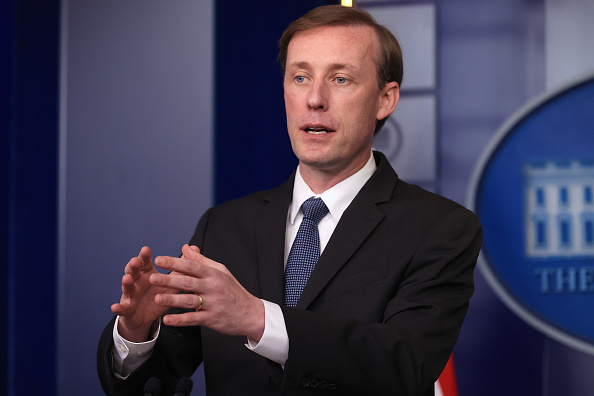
{"x":334,"y":66}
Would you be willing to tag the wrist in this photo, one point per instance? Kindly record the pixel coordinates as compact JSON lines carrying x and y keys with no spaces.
{"x":136,"y":334}
{"x":274,"y":344}
{"x":259,"y":321}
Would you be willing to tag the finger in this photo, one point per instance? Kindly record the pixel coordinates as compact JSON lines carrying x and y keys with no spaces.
{"x":120,"y":309}
{"x":193,"y":247}
{"x":186,"y":319}
{"x":128,"y":286}
{"x":182,"y":265}
{"x":186,"y":301}
{"x":145,"y":258}
{"x":124,"y":306}
{"x":176,"y":281}
{"x":133,"y":266}
{"x":193,"y":253}
{"x":142,"y":263}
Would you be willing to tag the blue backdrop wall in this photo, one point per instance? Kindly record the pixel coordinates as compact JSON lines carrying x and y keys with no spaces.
{"x":157,"y":107}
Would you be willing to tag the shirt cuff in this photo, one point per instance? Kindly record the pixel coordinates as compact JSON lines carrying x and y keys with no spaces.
{"x":274,"y":344}
{"x":127,"y":355}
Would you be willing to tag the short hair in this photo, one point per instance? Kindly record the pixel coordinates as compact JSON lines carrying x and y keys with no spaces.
{"x":389,"y":66}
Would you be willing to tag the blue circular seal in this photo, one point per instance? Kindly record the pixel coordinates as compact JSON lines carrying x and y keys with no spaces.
{"x":533,"y":192}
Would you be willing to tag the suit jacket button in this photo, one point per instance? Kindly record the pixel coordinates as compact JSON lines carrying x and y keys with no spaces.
{"x":305,"y":382}
{"x":331,"y":386}
{"x":323,"y":384}
{"x":314,"y":383}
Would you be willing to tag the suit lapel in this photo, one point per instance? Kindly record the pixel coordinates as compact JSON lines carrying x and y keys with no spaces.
{"x":270,"y":227}
{"x":355,"y":225}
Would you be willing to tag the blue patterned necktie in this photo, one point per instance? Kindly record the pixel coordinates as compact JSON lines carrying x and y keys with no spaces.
{"x":305,"y":251}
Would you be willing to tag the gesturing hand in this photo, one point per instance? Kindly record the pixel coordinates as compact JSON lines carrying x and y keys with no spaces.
{"x":217,"y":299}
{"x":137,"y":308}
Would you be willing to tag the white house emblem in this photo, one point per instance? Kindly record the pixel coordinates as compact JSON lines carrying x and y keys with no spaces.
{"x":534,"y":193}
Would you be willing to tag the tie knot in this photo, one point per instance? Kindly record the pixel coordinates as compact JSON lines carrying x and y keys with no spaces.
{"x":314,"y":209}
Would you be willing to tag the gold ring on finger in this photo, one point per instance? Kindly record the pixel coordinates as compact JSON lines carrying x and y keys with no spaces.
{"x":201,"y":301}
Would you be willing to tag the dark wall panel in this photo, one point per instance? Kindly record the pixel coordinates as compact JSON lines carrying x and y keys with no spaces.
{"x":32,"y":198}
{"x":252,"y":148}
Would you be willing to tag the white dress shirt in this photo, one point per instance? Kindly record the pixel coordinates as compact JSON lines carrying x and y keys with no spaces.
{"x":274,"y":343}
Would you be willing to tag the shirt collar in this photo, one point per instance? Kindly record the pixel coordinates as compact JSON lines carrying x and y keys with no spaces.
{"x":336,"y":198}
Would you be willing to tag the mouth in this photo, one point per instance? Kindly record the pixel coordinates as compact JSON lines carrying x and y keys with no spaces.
{"x":317,"y":129}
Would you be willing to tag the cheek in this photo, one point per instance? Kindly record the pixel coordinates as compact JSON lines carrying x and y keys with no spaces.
{"x":360,"y":123}
{"x":360,"y":113}
{"x":369,"y":111}
{"x":288,"y":110}
{"x":290,"y":103}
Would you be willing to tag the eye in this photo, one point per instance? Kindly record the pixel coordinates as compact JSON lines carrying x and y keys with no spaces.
{"x":300,"y":79}
{"x":341,"y":80}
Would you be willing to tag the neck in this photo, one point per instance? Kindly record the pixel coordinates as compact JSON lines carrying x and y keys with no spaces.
{"x":320,"y":180}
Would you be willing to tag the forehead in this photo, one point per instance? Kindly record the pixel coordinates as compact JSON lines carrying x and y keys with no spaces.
{"x":336,"y":44}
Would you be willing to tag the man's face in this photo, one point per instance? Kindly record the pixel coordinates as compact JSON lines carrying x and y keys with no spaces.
{"x":332,"y":97}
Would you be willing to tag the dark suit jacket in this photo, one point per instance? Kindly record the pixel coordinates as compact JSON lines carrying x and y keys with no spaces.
{"x":379,"y":316}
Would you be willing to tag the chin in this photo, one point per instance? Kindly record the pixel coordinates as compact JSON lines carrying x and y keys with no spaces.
{"x":319,"y":162}
{"x":307,"y":155}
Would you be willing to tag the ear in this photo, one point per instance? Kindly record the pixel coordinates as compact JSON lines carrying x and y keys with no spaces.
{"x":389,"y":97}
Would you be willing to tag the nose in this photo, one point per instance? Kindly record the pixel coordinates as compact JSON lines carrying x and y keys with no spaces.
{"x":317,"y":98}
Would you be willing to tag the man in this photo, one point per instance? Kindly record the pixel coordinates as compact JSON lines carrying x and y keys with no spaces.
{"x":381,"y":310}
